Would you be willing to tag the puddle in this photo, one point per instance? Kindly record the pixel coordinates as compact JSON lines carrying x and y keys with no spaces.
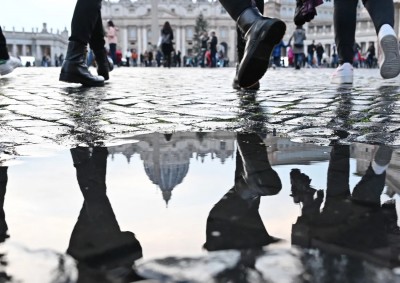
{"x":201,"y":207}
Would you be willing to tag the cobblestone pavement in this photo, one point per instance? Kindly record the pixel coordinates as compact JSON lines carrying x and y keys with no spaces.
{"x":36,"y":108}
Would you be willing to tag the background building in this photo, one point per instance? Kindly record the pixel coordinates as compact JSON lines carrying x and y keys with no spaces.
{"x":37,"y":43}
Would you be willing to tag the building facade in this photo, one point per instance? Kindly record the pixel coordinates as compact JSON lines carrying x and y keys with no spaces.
{"x":37,"y":43}
{"x":140,"y":23}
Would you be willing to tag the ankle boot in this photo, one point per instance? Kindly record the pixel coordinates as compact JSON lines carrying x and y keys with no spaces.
{"x":74,"y":68}
{"x":104,"y":64}
{"x":241,"y":44}
{"x":261,"y":35}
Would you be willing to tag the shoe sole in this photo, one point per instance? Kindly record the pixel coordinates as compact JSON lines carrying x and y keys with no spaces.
{"x":255,"y":63}
{"x":390,"y":67}
{"x":7,"y":71}
{"x":70,"y":78}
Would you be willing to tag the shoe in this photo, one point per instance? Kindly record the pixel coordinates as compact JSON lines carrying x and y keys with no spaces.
{"x":74,"y":68}
{"x":235,"y":83}
{"x":343,"y":74}
{"x":104,"y":63}
{"x":389,"y":57}
{"x":261,"y":35}
{"x":7,"y":66}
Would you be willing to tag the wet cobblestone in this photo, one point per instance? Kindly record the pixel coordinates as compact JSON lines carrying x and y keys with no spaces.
{"x":36,"y":108}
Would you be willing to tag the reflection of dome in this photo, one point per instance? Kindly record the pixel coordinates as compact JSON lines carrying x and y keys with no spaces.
{"x":166,"y":176}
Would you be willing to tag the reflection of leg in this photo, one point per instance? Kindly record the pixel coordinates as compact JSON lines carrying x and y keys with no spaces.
{"x":370,"y":188}
{"x":257,"y":177}
{"x":338,"y":172}
{"x":3,"y":186}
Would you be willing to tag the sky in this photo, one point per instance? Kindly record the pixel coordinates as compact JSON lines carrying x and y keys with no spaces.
{"x":30,"y":14}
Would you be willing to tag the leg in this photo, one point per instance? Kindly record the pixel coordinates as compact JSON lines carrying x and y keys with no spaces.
{"x":84,"y":20}
{"x":7,"y":63}
{"x":262,"y":34}
{"x":344,"y":18}
{"x":382,"y":15}
{"x":3,"y":47}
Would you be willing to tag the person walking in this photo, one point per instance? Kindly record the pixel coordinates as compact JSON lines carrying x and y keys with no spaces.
{"x":310,"y":54}
{"x":86,"y":28}
{"x":277,"y":52}
{"x":256,"y":37}
{"x":298,"y":36}
{"x":344,"y":19}
{"x":167,"y":36}
{"x":7,"y":63}
{"x":320,"y":52}
{"x":371,"y":55}
{"x":112,"y":39}
{"x":213,"y":49}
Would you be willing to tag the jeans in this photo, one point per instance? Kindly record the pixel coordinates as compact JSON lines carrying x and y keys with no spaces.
{"x":113,"y":52}
{"x":86,"y":25}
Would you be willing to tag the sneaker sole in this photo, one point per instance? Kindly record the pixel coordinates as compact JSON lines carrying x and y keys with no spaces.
{"x":390,"y":67}
{"x":7,"y":71}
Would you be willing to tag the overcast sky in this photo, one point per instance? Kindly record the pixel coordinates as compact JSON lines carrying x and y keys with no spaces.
{"x":30,"y":14}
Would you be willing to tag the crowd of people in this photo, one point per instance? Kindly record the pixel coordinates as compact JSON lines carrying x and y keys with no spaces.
{"x":259,"y":41}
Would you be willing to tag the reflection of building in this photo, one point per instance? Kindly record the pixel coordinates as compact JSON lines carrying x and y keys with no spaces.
{"x":37,"y":44}
{"x":140,"y":22}
{"x":166,"y":158}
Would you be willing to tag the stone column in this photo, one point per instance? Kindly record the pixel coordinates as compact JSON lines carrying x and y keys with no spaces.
{"x":232,"y":46}
{"x":154,"y":23}
{"x":124,"y":40}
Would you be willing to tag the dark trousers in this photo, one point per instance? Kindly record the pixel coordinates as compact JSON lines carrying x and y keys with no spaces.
{"x":3,"y":47}
{"x":113,"y":52}
{"x":241,"y":43}
{"x":344,"y":18}
{"x":236,"y":7}
{"x":86,"y":26}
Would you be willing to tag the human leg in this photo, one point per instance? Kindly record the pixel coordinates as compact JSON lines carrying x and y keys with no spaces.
{"x":382,"y":15}
{"x":240,"y":45}
{"x":96,"y":43}
{"x":84,"y":20}
{"x":261,"y":35}
{"x":7,"y":62}
{"x":344,"y":20}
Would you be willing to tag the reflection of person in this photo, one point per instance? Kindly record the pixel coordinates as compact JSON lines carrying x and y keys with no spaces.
{"x":7,"y":62}
{"x":86,"y":27}
{"x":3,"y":186}
{"x":354,"y":223}
{"x":97,"y":242}
{"x":261,"y":35}
{"x":234,"y":222}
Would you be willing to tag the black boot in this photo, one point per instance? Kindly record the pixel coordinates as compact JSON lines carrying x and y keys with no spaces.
{"x":261,"y":35}
{"x":241,"y":44}
{"x":104,"y":64}
{"x":74,"y":68}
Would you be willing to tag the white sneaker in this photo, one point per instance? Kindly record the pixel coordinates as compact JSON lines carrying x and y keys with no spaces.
{"x":343,"y":74}
{"x":389,"y":57}
{"x":7,"y":66}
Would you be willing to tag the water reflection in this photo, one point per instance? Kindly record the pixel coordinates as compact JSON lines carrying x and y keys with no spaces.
{"x":104,"y":253}
{"x":353,"y":222}
{"x":234,"y":217}
{"x":235,"y":222}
